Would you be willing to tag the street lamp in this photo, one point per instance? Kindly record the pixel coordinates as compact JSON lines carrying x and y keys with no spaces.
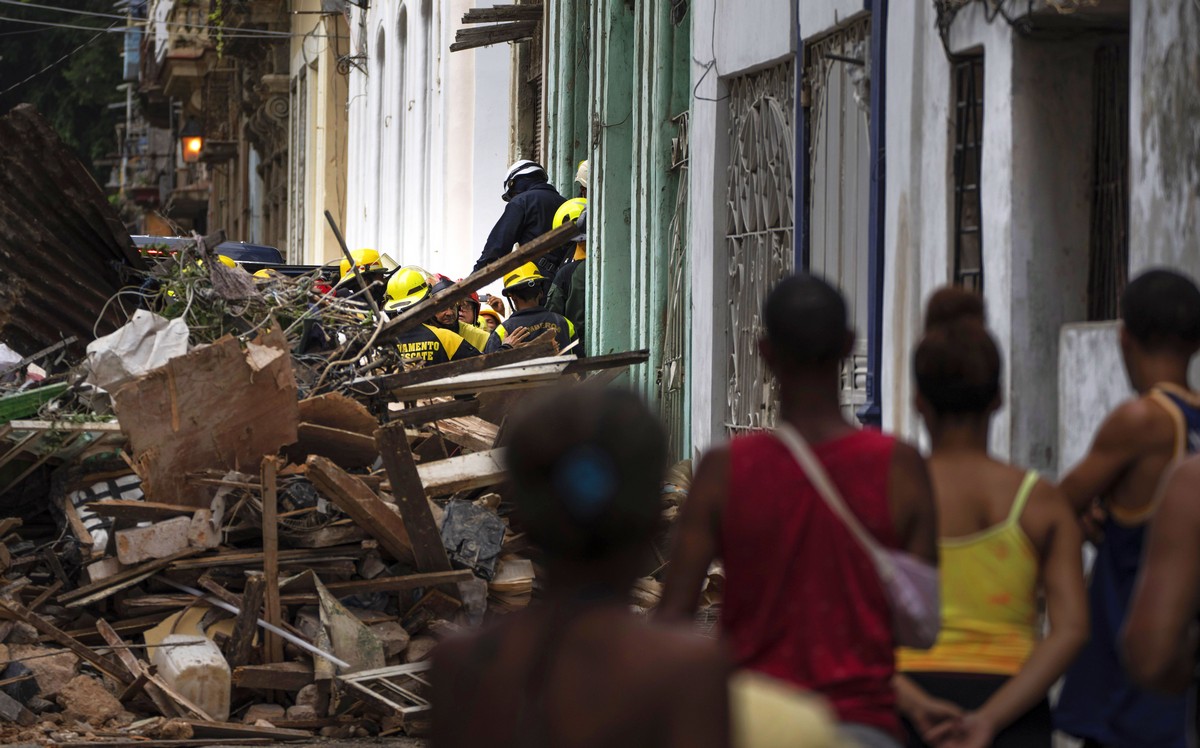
{"x":192,"y":140}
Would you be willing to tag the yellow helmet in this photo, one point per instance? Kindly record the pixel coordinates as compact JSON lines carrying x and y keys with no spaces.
{"x":266,"y":274}
{"x":569,"y":211}
{"x":526,"y":276}
{"x":227,"y":261}
{"x":364,"y":259}
{"x":405,"y":288}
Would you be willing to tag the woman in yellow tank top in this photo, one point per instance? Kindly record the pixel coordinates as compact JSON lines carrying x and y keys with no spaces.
{"x":1005,"y":538}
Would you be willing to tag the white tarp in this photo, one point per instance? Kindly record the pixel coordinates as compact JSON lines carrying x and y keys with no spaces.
{"x":146,"y":342}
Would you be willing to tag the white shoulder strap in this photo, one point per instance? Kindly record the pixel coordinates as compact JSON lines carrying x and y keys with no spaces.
{"x":820,"y":479}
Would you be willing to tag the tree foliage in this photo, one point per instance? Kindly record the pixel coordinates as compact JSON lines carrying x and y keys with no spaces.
{"x":73,"y":94}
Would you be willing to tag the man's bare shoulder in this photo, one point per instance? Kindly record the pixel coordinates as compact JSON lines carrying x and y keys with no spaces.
{"x":1138,"y":420}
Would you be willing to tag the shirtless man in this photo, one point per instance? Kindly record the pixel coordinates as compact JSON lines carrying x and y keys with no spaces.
{"x":577,"y":670}
{"x":803,"y":601}
{"x":1121,"y":475}
{"x":1160,"y":637}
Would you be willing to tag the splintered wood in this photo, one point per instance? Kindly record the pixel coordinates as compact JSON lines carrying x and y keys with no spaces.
{"x":216,"y":407}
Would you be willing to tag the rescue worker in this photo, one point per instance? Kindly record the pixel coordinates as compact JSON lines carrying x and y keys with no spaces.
{"x":468,"y":311}
{"x":428,"y":342}
{"x":449,"y":318}
{"x":581,"y":178}
{"x":489,"y":318}
{"x":523,"y":287}
{"x":567,"y":295}
{"x":532,"y":202}
{"x":370,"y":264}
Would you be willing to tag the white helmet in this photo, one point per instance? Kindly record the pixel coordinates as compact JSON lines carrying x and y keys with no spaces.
{"x":520,"y":169}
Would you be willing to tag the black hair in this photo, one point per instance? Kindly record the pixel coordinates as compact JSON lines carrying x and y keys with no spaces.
{"x":529,"y":292}
{"x":806,"y":320}
{"x":586,"y":465}
{"x":1161,"y":310}
{"x":957,"y":363}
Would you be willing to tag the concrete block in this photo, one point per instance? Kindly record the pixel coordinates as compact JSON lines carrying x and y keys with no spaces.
{"x":103,"y":569}
{"x":301,"y":712}
{"x":315,"y":697}
{"x":267,"y":712}
{"x":204,"y":532}
{"x":53,"y":669}
{"x":158,"y":540}
{"x":87,"y":697}
{"x":393,"y":637}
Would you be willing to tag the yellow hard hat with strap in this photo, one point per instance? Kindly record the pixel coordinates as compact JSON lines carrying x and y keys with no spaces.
{"x":405,"y":288}
{"x":364,"y":259}
{"x":526,"y":276}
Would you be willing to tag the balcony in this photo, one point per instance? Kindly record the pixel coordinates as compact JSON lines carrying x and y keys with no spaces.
{"x":184,"y":47}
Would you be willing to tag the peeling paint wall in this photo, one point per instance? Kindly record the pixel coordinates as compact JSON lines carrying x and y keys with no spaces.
{"x":1164,"y":169}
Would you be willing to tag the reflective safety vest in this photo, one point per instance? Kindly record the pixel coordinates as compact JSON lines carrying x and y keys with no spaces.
{"x":433,"y":345}
{"x":537,"y":320}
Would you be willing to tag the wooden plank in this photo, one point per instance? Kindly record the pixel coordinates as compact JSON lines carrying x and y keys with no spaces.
{"x":281,"y":676}
{"x":140,"y":742}
{"x":423,"y":414}
{"x":273,"y":651}
{"x":93,"y":426}
{"x":255,"y":559}
{"x":462,"y":473}
{"x":337,"y":411}
{"x":8,"y":524}
{"x":211,"y":408}
{"x":101,"y":589}
{"x":538,"y":348}
{"x":495,"y":34}
{"x":370,"y":512}
{"x":232,"y":731}
{"x":521,"y":377}
{"x":346,"y":448}
{"x":241,"y":641}
{"x":611,"y":361}
{"x":60,"y":637}
{"x":472,"y":433}
{"x":416,"y":315}
{"x":139,"y":511}
{"x":503,"y":13}
{"x":404,"y":583}
{"x":408,"y":488}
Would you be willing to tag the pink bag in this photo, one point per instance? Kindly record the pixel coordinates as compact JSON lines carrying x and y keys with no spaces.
{"x":911,"y":583}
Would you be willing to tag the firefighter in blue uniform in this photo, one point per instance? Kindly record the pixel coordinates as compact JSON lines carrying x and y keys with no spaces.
{"x":524,"y":287}
{"x":428,"y":342}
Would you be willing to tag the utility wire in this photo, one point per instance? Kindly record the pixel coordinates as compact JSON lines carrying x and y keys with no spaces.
{"x":140,"y":22}
{"x":227,"y":33}
{"x":58,"y":61}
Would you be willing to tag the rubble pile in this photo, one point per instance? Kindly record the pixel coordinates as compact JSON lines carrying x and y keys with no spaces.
{"x":209,"y":534}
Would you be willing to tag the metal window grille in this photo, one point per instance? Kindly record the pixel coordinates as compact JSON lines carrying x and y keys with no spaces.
{"x":837,"y":74}
{"x":759,"y":230}
{"x":672,"y":393}
{"x":968,"y":170}
{"x":1108,"y":268}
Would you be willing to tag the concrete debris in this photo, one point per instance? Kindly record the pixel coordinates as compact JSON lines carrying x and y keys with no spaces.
{"x":276,"y":518}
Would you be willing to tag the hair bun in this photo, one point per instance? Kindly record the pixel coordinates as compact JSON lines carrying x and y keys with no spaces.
{"x":952,"y":305}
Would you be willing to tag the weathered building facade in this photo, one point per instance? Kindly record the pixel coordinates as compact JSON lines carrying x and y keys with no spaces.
{"x":428,"y":135}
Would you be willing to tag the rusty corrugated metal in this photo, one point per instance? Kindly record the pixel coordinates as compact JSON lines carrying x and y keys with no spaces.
{"x":63,"y":249}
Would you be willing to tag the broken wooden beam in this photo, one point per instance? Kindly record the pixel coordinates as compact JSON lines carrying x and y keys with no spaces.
{"x":370,"y":512}
{"x":97,"y":591}
{"x":279,"y":676}
{"x":245,"y":627}
{"x":494,"y":34}
{"x":423,"y":414}
{"x":539,"y":348}
{"x":139,"y":511}
{"x":536,"y":373}
{"x":462,"y":473}
{"x":273,"y":650}
{"x":610,"y":361}
{"x":404,"y":583}
{"x":140,"y":672}
{"x":409,"y":492}
{"x":60,"y":637}
{"x":503,"y":13}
